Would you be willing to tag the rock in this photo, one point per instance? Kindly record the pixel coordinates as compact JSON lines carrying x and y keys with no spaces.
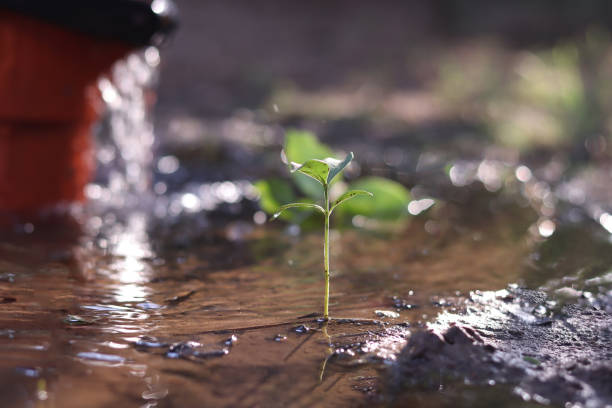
{"x":562,"y":359}
{"x":387,"y":313}
{"x":461,"y":335}
{"x":423,"y":344}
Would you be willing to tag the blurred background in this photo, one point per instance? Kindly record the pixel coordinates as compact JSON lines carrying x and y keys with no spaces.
{"x":411,"y":87}
{"x":529,"y":78}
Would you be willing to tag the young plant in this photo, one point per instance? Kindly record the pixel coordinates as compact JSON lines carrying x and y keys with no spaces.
{"x":324,"y":171}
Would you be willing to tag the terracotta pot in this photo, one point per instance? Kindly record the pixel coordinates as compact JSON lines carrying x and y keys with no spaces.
{"x":48,"y":103}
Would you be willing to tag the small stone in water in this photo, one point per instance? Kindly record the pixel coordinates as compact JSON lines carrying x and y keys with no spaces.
{"x":181,"y":297}
{"x":149,"y":306}
{"x":567,"y":292}
{"x":231,"y":340}
{"x":402,"y":304}
{"x":110,"y":358}
{"x":540,"y":310}
{"x":28,"y":372}
{"x":387,"y":313}
{"x":77,"y":320}
{"x":301,"y":329}
{"x":183,"y":347}
{"x":149,"y":342}
{"x":7,"y":277}
{"x":279,"y":338}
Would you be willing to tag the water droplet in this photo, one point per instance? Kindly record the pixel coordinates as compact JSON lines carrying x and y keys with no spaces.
{"x":259,"y":217}
{"x":523,"y":174}
{"x":168,"y":164}
{"x":415,"y":207}
{"x":546,"y":228}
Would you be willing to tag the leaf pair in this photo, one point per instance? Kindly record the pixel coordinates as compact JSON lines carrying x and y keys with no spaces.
{"x":324,"y":171}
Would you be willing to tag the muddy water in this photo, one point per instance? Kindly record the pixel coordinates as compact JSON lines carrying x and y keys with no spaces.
{"x":130,"y":316}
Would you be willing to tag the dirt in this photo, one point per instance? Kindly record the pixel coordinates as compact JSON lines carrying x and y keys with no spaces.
{"x":509,"y":337}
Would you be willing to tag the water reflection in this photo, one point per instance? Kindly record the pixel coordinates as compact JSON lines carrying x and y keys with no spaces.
{"x":605,"y":220}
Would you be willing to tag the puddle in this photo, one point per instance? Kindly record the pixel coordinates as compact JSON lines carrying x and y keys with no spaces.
{"x":232,"y":323}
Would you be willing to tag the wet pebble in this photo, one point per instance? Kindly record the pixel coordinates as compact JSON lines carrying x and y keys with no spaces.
{"x":149,"y":342}
{"x":149,"y":306}
{"x":76,"y":320}
{"x":402,"y":304}
{"x":191,"y":350}
{"x":7,"y":277}
{"x":181,"y":297}
{"x":230,"y":341}
{"x":109,"y":358}
{"x":301,"y":329}
{"x":387,"y":313}
{"x":28,"y":371}
{"x":540,"y":310}
{"x":183,"y":347}
{"x":9,"y":333}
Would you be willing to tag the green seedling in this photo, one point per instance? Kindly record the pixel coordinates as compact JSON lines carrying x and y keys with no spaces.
{"x":324,"y":171}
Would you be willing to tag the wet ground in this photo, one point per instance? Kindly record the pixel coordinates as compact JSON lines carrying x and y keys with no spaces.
{"x":129,"y":310}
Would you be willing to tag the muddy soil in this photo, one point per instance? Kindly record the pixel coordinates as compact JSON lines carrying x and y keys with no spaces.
{"x":511,"y":337}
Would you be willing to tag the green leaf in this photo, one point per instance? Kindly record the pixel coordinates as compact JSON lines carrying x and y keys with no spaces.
{"x":317,"y":169}
{"x":273,"y":193}
{"x":308,"y":186}
{"x":297,"y":205}
{"x":348,"y":195}
{"x":336,"y":166}
{"x":390,"y":199}
{"x":301,"y":146}
{"x":324,"y":170}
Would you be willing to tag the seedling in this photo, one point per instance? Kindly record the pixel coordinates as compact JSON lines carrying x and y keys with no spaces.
{"x":324,"y":171}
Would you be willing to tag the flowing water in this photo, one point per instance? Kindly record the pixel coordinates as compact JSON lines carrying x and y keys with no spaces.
{"x":182,"y":296}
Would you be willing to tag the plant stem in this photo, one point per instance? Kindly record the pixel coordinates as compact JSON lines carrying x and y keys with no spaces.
{"x":326,"y":255}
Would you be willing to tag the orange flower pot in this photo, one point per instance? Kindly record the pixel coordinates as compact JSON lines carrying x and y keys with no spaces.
{"x":48,"y":103}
